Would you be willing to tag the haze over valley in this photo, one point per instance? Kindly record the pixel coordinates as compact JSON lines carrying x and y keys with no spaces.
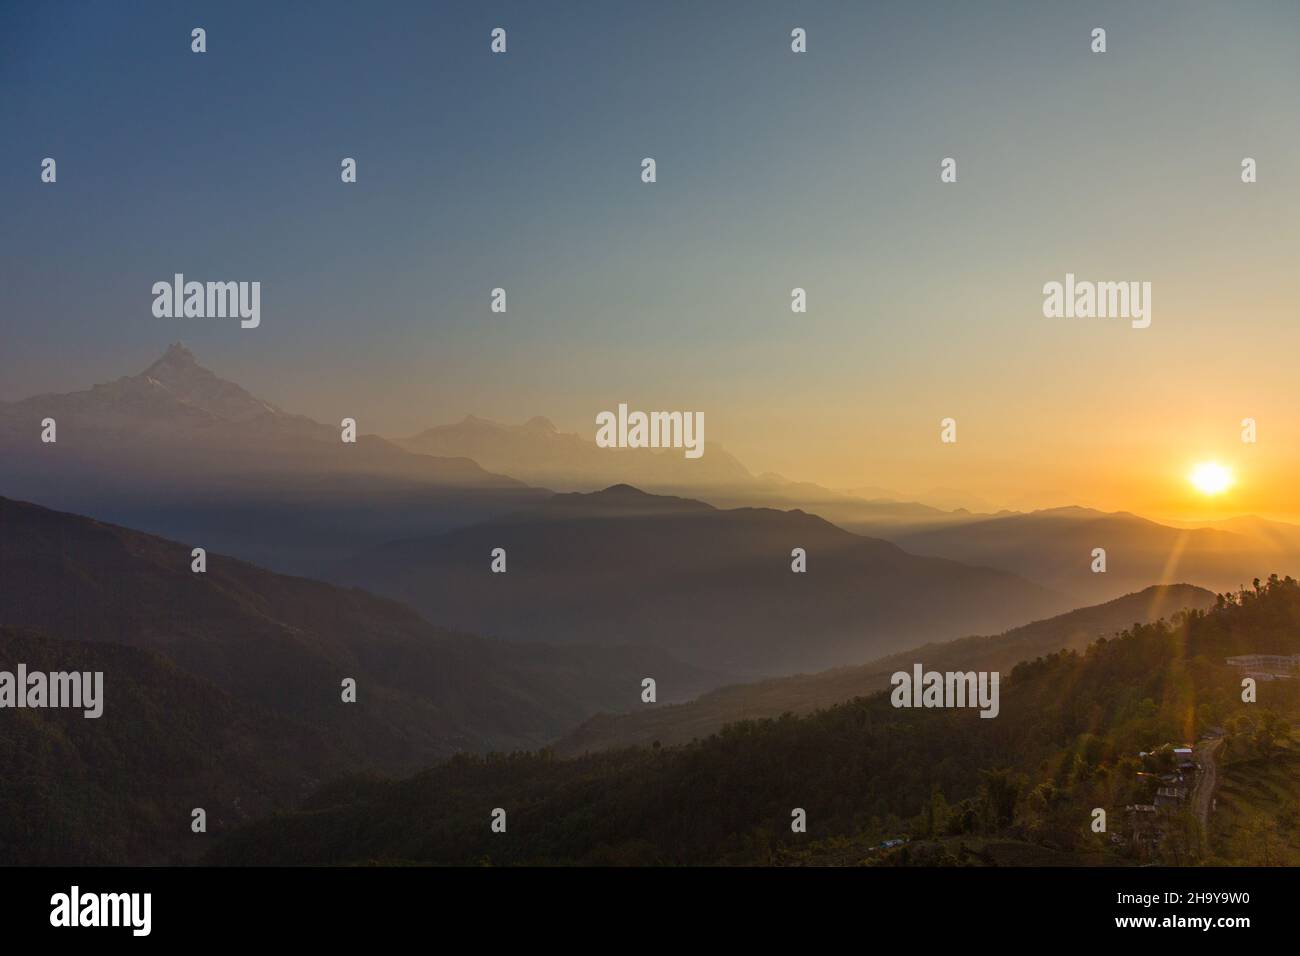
{"x":491,"y":589}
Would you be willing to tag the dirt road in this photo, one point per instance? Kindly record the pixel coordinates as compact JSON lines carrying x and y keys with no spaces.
{"x":1203,"y":794}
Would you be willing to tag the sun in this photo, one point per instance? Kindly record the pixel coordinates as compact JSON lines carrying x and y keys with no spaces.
{"x":1211,"y":478}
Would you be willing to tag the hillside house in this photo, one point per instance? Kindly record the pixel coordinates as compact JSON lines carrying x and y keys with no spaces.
{"x":1267,"y":666}
{"x":1170,"y":796}
{"x":1144,"y":824}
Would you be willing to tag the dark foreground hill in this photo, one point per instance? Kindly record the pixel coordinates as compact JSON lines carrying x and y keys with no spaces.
{"x":120,"y":788}
{"x":713,"y":587}
{"x":1065,"y":742}
{"x":224,"y":689}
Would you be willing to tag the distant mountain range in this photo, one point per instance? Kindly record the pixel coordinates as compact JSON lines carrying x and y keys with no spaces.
{"x":1055,"y":548}
{"x":680,"y":723}
{"x":182,"y":452}
{"x":539,"y":453}
{"x":223,"y":688}
{"x":179,"y":451}
{"x":177,"y":406}
{"x":712,"y":586}
{"x":1052,"y":547}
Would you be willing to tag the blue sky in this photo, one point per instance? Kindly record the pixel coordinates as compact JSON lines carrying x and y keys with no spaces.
{"x":775,"y":171}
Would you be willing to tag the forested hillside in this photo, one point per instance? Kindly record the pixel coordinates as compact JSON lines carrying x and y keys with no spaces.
{"x":120,"y":789}
{"x":1066,"y":741}
{"x":805,"y":693}
{"x":284,"y":644}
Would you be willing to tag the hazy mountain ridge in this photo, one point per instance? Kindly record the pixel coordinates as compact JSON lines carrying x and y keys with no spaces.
{"x":223,"y":689}
{"x":1055,"y":548}
{"x":713,"y":586}
{"x":805,"y":693}
{"x":179,"y":451}
{"x":285,"y":643}
{"x":539,"y":453}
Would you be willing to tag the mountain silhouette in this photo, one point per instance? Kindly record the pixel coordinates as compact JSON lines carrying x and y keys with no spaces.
{"x":713,"y":586}
{"x":180,"y":451}
{"x":539,"y":453}
{"x":1054,"y":548}
{"x":285,"y":643}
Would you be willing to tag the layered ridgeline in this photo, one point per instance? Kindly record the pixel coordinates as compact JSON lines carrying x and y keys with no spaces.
{"x":180,"y":451}
{"x":1054,"y":548}
{"x":256,"y":642}
{"x":713,"y":586}
{"x":1017,"y":788}
{"x":805,"y":693}
{"x":539,"y":453}
{"x":177,"y":450}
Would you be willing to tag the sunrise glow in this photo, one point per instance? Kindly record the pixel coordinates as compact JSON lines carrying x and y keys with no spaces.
{"x":1211,"y":478}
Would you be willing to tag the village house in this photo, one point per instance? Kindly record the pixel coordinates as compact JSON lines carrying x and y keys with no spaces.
{"x":1267,"y":666}
{"x":1144,"y":824}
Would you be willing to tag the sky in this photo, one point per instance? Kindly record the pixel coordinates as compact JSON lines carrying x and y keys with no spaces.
{"x":775,"y":170}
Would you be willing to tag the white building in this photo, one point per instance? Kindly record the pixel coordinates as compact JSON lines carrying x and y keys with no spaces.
{"x":1267,"y":666}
